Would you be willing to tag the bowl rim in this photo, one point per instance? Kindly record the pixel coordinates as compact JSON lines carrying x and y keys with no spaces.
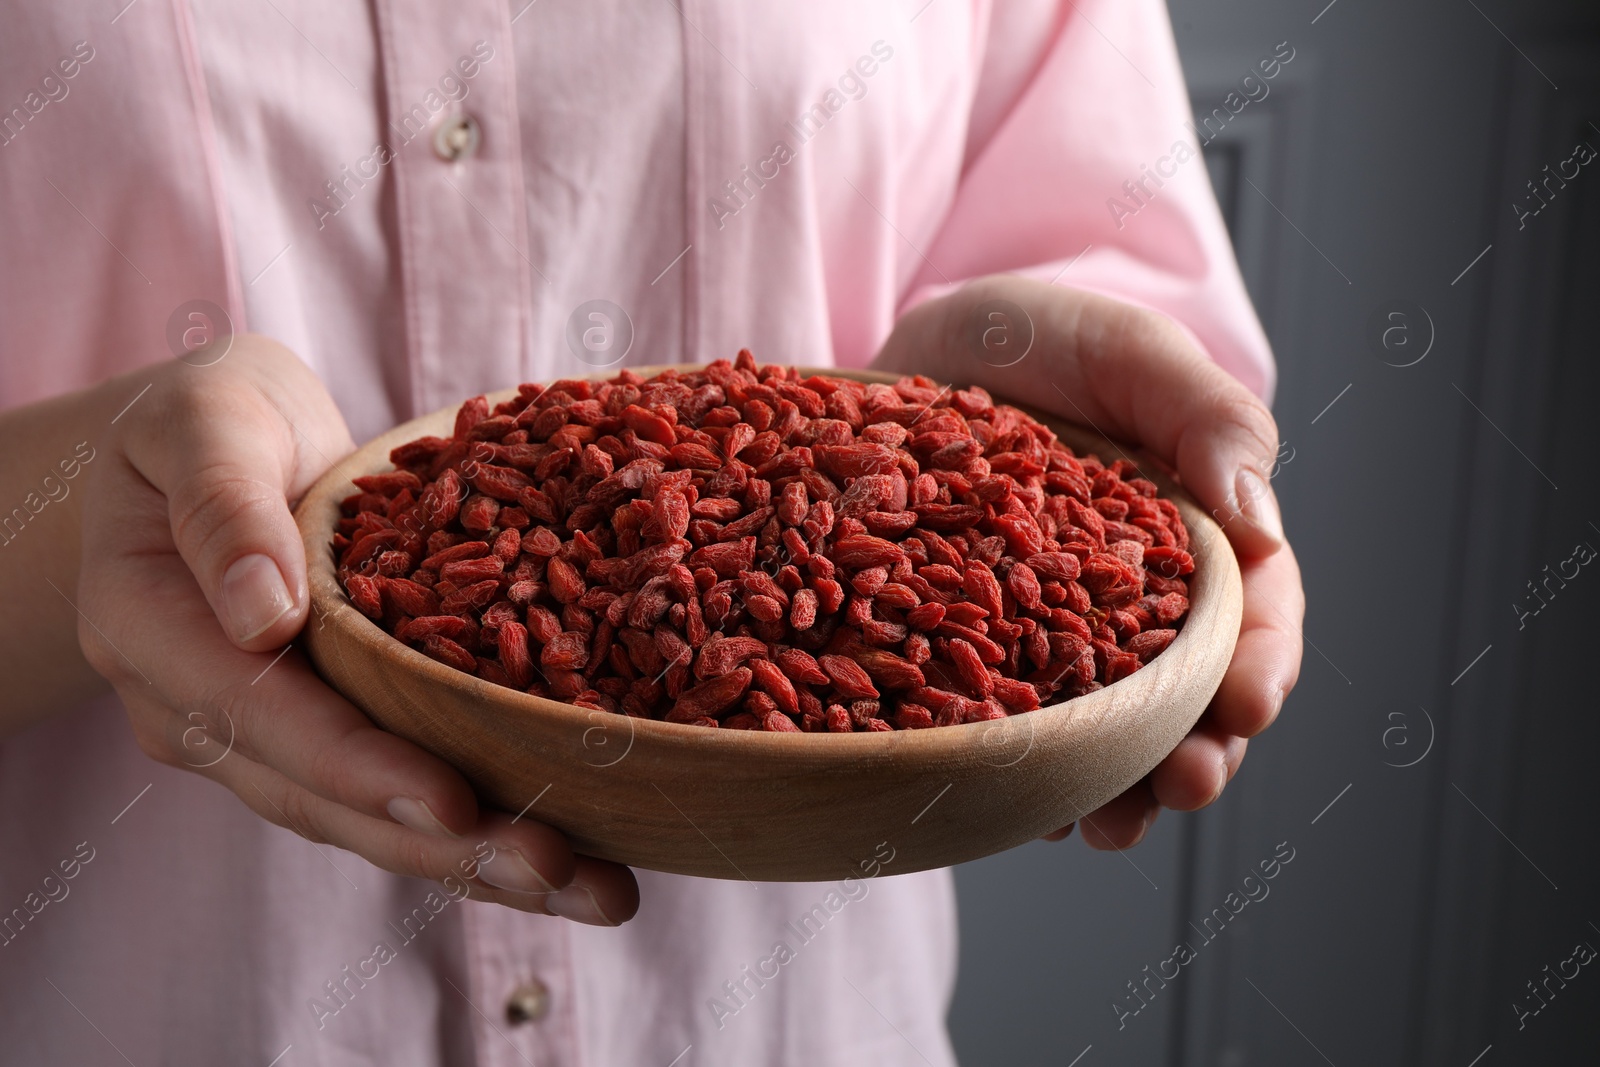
{"x":318,"y":510}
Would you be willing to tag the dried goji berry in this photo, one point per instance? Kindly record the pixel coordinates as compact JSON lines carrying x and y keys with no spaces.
{"x":448,"y":652}
{"x":969,"y":668}
{"x":859,"y":551}
{"x":513,"y":646}
{"x":849,"y":679}
{"x":1149,"y":643}
{"x":566,"y":584}
{"x":711,"y":697}
{"x":566,"y":651}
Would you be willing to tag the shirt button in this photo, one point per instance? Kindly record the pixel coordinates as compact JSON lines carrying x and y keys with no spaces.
{"x":529,"y":1002}
{"x":456,"y":138}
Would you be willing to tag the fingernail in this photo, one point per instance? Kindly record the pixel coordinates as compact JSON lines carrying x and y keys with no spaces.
{"x":1257,"y":504}
{"x":577,"y":903}
{"x":254,"y":597}
{"x":1222,"y":782}
{"x":1144,"y":828}
{"x":509,"y":869}
{"x":416,"y":815}
{"x":1276,"y":701}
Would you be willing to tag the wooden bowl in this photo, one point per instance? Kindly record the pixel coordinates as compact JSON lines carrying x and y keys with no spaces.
{"x":779,"y":807}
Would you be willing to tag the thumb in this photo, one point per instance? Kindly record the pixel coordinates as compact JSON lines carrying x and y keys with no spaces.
{"x":227,"y":463}
{"x":1132,"y":373}
{"x":1143,"y":374}
{"x":1226,"y":455}
{"x":231,"y":525}
{"x":228,"y":505}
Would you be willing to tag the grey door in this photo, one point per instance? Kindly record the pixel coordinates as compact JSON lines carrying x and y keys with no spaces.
{"x":1416,"y":206}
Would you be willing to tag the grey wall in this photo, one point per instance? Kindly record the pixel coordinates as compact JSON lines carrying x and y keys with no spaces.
{"x":1421,"y":503}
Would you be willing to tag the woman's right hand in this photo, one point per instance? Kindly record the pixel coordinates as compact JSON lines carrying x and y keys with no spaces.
{"x":193,"y":581}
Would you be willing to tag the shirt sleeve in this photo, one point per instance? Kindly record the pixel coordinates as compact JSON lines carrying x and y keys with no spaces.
{"x":1091,"y":178}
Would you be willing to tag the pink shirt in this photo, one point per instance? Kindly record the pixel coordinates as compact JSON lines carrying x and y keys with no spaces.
{"x":788,"y":177}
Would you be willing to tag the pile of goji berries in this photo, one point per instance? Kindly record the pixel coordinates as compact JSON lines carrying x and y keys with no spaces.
{"x":746,"y":548}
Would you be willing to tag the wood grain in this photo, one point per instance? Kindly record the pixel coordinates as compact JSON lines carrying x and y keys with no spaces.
{"x":760,"y":806}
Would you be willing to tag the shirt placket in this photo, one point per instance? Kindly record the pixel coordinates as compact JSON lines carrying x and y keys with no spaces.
{"x":449,"y":85}
{"x":451,"y":128}
{"x":523,"y":988}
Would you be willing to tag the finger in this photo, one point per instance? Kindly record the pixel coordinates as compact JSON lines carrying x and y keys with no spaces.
{"x":1059,"y":835}
{"x":227,"y":456}
{"x":528,"y":858}
{"x":593,"y":891}
{"x":601,"y":894}
{"x":1122,"y":822}
{"x":293,"y":722}
{"x":359,"y":766}
{"x":1194,"y":774}
{"x":1131,"y":373}
{"x":1266,"y":661}
{"x":1156,"y":387}
{"x":266,"y":709}
{"x":519,"y":863}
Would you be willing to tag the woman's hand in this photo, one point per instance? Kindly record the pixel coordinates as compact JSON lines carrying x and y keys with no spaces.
{"x":194,"y":579}
{"x":1135,"y":376}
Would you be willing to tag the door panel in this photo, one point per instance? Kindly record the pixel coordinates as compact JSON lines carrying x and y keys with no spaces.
{"x":1432,"y":771}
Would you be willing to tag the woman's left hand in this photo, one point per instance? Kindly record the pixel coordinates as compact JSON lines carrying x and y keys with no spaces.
{"x":1135,"y":376}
